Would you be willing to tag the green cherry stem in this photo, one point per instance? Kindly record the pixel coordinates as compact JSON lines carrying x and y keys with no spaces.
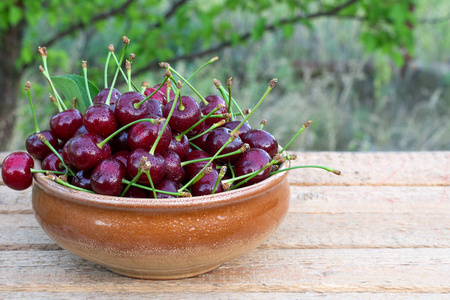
{"x":47,"y":143}
{"x":152,"y":150}
{"x":151,"y":182}
{"x":213,"y":126}
{"x":334,"y":171}
{"x":188,"y":84}
{"x":183,"y":194}
{"x":225,"y":95}
{"x":126,"y":42}
{"x":137,"y":105}
{"x":128,"y":67}
{"x":84,"y":66}
{"x":272,"y":84}
{"x":202,"y":119}
{"x":105,"y":75}
{"x":46,"y":171}
{"x":304,"y":126}
{"x":222,"y":172}
{"x":229,"y":98}
{"x":107,"y":139}
{"x":124,"y":75}
{"x":244,"y":148}
{"x":27,"y":88}
{"x":202,"y":67}
{"x":44,"y":71}
{"x":66,"y":184}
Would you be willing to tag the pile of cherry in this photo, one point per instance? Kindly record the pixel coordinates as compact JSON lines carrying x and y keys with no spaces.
{"x":149,"y":143}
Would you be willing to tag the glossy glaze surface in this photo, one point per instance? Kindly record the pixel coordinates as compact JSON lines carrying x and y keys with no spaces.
{"x":161,"y":238}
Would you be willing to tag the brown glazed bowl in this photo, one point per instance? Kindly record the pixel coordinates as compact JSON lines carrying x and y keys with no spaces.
{"x":161,"y":238}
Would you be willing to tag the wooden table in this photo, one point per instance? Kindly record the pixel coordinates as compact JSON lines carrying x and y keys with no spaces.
{"x":380,"y":231}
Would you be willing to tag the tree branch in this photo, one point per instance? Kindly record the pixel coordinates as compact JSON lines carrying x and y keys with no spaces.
{"x":81,"y":25}
{"x":247,"y":35}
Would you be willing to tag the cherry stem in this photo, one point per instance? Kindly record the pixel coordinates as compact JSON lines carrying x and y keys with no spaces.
{"x":59,"y":103}
{"x":32,"y":107}
{"x":151,"y":183}
{"x":222,"y":172}
{"x":304,"y":126}
{"x":128,"y":81}
{"x":213,"y":126}
{"x":202,"y":67}
{"x":262,"y":124}
{"x":230,"y":167}
{"x":46,"y":171}
{"x":334,"y":171}
{"x":272,"y":84}
{"x":229,"y":98}
{"x":135,"y":178}
{"x":241,"y":150}
{"x":232,"y":138}
{"x":137,"y":105}
{"x":128,"y":66}
{"x":251,"y":175}
{"x":124,"y":181}
{"x":102,"y":143}
{"x":190,"y":85}
{"x":65,"y":183}
{"x":152,"y":150}
{"x":47,"y":143}
{"x":108,"y":100}
{"x":202,"y":119}
{"x":226,"y":95}
{"x":195,"y":146}
{"x":83,"y":64}
{"x":106,"y":69}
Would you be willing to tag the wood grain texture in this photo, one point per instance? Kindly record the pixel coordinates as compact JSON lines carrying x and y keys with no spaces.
{"x":375,"y":168}
{"x":289,"y":271}
{"x":381,"y":231}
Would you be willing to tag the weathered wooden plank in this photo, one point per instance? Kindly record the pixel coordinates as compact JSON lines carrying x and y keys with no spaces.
{"x":299,"y":230}
{"x":370,"y":199}
{"x":374,"y":168}
{"x":189,"y":295}
{"x":287,"y":271}
{"x":315,"y":199}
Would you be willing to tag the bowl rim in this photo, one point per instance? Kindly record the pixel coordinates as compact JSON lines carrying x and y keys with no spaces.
{"x":219,"y":199}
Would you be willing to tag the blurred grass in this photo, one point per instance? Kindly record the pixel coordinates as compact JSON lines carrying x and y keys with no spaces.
{"x":357,"y":102}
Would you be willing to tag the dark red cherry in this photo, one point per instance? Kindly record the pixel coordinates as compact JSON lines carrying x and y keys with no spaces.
{"x":201,"y":141}
{"x":16,"y":170}
{"x":144,"y":134}
{"x":83,"y":152}
{"x":217,"y":138}
{"x":213,"y":101}
{"x":174,"y":171}
{"x":82,"y":179}
{"x":259,"y":138}
{"x":205,"y":186}
{"x":52,"y":163}
{"x":233,"y":124}
{"x":100,"y":119}
{"x":119,"y":142}
{"x":163,"y":91}
{"x":159,"y":95}
{"x":179,"y":147}
{"x":122,"y":156}
{"x":125,"y":110}
{"x":253,"y":160}
{"x":154,"y":109}
{"x":167,"y":186}
{"x":193,"y":168}
{"x":37,"y":148}
{"x":157,"y":166}
{"x":106,"y":179}
{"x":81,"y":130}
{"x":103,"y":95}
{"x":182,"y":120}
{"x":66,"y":123}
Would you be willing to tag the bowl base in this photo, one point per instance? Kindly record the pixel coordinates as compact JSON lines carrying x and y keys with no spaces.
{"x":143,"y":274}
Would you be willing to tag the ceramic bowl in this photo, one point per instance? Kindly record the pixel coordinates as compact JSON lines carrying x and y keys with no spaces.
{"x":161,"y":238}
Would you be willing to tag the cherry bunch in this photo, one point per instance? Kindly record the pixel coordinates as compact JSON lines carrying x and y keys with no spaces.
{"x":152,"y":142}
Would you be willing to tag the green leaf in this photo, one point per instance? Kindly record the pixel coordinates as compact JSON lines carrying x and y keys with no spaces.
{"x":74,"y":86}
